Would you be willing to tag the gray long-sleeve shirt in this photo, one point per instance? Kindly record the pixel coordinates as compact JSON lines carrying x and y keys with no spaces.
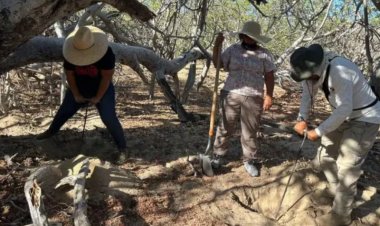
{"x":349,"y":90}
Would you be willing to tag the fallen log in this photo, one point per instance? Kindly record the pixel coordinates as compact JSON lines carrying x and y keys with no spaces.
{"x":80,"y":204}
{"x":79,"y":182}
{"x":33,"y":194}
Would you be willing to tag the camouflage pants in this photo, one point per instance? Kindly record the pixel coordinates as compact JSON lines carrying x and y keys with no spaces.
{"x":340,"y":156}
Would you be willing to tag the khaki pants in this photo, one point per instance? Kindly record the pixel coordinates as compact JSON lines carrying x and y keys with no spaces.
{"x":340,"y":156}
{"x":235,"y":107}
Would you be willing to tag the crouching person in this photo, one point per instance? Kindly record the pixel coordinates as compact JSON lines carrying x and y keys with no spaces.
{"x":89,"y":66}
{"x":348,"y":133}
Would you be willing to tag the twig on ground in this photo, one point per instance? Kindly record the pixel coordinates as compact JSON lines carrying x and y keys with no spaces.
{"x":236,"y":199}
{"x":8,"y":159}
{"x":16,"y":206}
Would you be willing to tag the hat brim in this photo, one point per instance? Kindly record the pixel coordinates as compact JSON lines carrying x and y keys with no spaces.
{"x":87,"y":56}
{"x":261,"y":39}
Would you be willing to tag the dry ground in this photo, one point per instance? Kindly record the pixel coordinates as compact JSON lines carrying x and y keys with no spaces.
{"x":157,"y":185}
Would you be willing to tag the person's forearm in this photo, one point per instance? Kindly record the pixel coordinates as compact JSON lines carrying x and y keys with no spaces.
{"x":72,"y":83}
{"x":306,"y":101}
{"x":269,"y":83}
{"x":104,"y":83}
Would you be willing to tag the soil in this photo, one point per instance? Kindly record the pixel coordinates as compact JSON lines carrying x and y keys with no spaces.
{"x":161,"y":183}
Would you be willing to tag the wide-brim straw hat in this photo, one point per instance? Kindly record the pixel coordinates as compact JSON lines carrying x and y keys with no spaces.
{"x":305,"y":60}
{"x":253,"y":30}
{"x":85,"y":45}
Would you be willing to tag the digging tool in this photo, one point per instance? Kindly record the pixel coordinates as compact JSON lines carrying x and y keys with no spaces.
{"x":204,"y":159}
{"x":291,"y":174}
{"x":85,"y":120}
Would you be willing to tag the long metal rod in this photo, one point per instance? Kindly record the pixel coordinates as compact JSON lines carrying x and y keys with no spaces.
{"x":85,"y":120}
{"x":291,"y":174}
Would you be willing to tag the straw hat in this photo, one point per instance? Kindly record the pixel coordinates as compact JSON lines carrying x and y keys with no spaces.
{"x":253,"y":30}
{"x":85,"y":45}
{"x":305,"y":60}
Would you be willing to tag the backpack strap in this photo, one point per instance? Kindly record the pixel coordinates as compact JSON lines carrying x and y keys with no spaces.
{"x":325,"y":88}
{"x":325,"y":85}
{"x":369,"y":105}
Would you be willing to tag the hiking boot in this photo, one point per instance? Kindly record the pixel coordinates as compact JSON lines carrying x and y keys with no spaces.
{"x":216,"y":161}
{"x":251,"y":169}
{"x":120,"y":157}
{"x":333,"y":219}
{"x":44,"y":135}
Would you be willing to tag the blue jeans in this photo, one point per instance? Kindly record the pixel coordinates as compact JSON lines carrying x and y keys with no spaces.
{"x":106,"y":109}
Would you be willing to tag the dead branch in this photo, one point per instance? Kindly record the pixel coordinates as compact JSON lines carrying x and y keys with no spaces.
{"x":236,"y":199}
{"x":33,"y":193}
{"x":189,"y":82}
{"x":80,"y":205}
{"x":8,"y":159}
{"x":70,"y":180}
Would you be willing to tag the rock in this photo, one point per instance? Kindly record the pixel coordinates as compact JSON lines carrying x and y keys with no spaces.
{"x":157,"y":171}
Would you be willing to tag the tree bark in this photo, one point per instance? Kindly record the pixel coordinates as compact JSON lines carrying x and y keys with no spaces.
{"x":80,"y":204}
{"x":376,"y":3}
{"x":46,"y":49}
{"x":20,"y":20}
{"x":33,"y":193}
{"x":43,"y":49}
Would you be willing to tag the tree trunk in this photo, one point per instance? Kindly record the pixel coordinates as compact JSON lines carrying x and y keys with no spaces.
{"x":20,"y":20}
{"x":43,"y":49}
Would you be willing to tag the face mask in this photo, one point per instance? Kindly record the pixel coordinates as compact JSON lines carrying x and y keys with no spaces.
{"x":246,"y":46}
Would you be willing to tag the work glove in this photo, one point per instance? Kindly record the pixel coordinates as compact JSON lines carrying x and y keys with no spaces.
{"x":312,"y":135}
{"x":300,"y":127}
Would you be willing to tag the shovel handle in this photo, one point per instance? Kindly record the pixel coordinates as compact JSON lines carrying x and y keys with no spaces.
{"x":215,"y":94}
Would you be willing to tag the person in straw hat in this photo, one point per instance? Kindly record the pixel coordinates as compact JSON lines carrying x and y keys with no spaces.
{"x":347,"y":134}
{"x":249,"y":66}
{"x":89,"y":66}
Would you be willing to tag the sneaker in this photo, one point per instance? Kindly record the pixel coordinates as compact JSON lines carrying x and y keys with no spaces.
{"x":217,"y":161}
{"x":44,"y":135}
{"x":120,"y":157}
{"x":251,"y":169}
{"x":333,"y":219}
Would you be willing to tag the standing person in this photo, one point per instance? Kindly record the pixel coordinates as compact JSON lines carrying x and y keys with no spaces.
{"x":249,"y":67}
{"x":348,"y":133}
{"x":89,"y":66}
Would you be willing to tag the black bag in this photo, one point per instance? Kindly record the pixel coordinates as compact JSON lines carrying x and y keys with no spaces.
{"x":374,"y":81}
